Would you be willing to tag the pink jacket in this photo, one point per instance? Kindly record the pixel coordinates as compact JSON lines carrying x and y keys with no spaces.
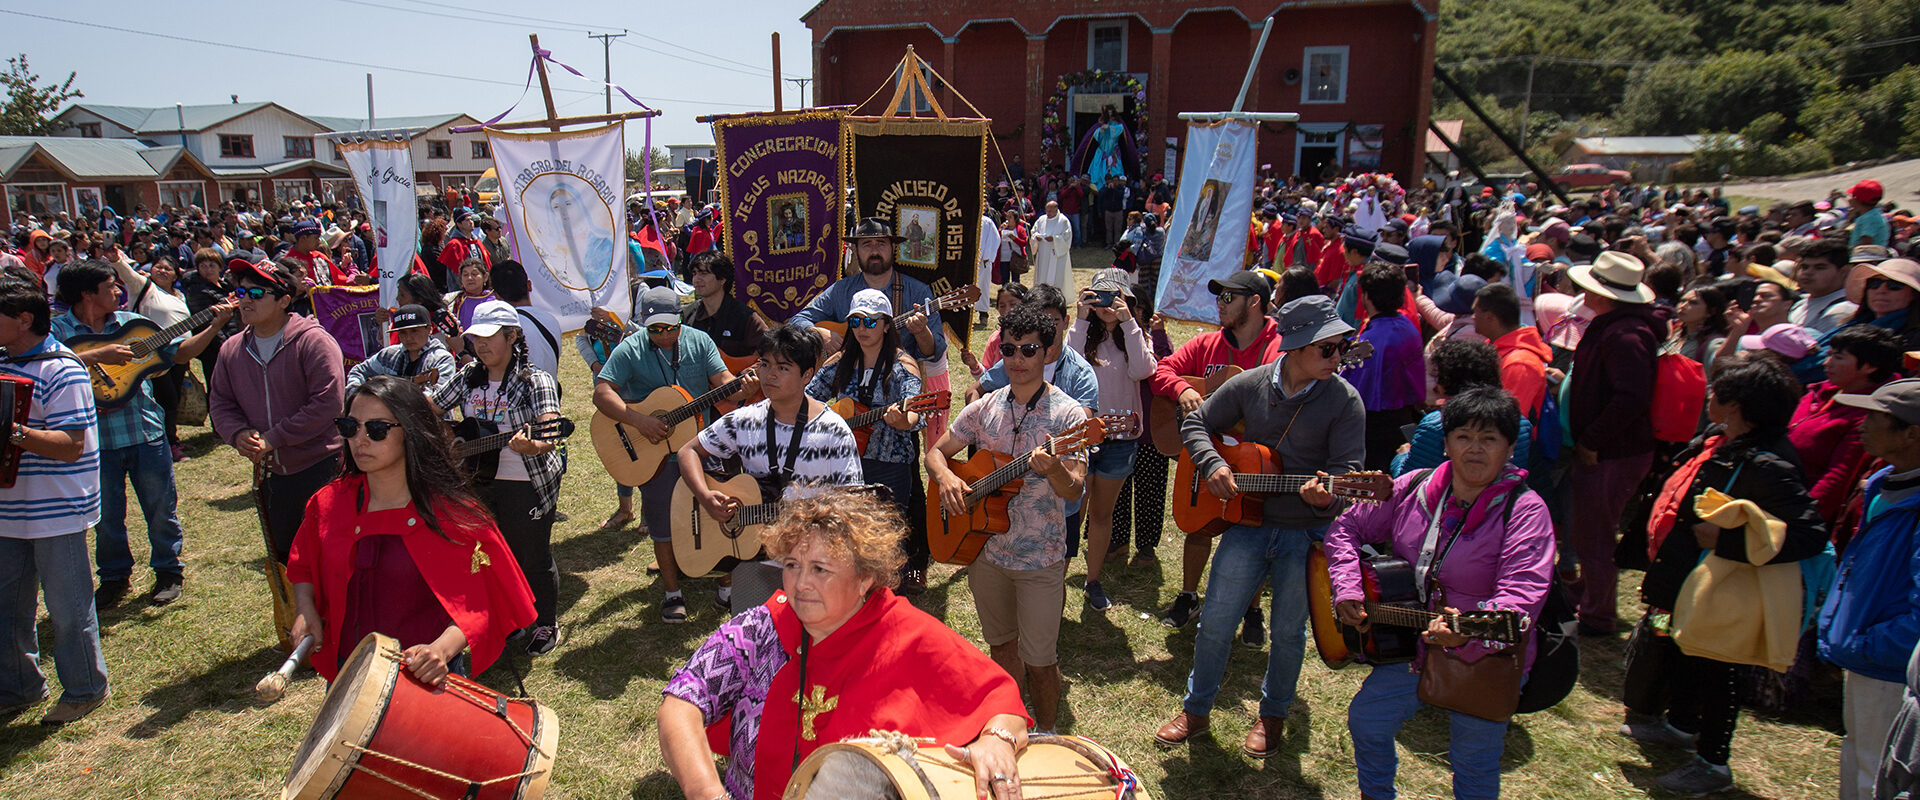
{"x":1497,"y":563}
{"x":1827,"y":436}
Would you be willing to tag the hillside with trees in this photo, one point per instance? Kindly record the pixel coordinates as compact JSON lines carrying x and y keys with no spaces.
{"x":1802,"y":84}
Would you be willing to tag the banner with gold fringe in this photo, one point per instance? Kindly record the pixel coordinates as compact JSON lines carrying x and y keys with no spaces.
{"x":927,"y":178}
{"x":782,"y":194}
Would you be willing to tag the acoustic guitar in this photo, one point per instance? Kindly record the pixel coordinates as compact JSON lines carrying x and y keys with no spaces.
{"x":633,"y":460}
{"x":1165,"y":412}
{"x":1395,"y":618}
{"x":701,"y":542}
{"x":992,"y":479}
{"x":1257,"y":473}
{"x":114,"y":385}
{"x":862,"y":419}
{"x":950,"y":301}
{"x":479,"y":439}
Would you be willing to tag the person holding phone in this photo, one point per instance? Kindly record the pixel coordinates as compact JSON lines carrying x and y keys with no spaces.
{"x":1114,"y":343}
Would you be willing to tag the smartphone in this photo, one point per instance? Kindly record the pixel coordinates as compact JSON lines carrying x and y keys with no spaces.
{"x":1104,"y":299}
{"x":1743,"y":295}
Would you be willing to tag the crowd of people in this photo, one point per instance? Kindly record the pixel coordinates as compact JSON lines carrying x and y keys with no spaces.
{"x":1645,"y":379}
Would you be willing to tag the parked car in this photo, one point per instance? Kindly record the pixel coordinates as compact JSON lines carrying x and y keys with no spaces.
{"x":1590,"y":176}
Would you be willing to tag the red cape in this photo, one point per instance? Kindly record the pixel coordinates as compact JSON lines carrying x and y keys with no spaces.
{"x":890,"y":667}
{"x":488,"y":601}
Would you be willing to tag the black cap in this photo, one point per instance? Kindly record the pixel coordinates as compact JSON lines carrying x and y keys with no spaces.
{"x":410,"y":316}
{"x":1245,"y":280}
{"x":1391,"y":253}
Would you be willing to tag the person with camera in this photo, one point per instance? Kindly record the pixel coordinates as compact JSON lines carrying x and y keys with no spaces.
{"x":1115,"y":344}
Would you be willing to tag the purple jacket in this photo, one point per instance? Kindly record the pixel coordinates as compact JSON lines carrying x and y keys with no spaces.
{"x":1495,"y":564}
{"x":292,"y":399}
{"x":1396,"y":376}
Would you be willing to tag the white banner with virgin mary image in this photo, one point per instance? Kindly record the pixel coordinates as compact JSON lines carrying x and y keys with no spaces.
{"x":562,"y":196}
{"x":1207,"y":235}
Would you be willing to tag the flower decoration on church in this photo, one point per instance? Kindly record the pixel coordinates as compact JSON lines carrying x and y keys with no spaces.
{"x":1054,"y":134}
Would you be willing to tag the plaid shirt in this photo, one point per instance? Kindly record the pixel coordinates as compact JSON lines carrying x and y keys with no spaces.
{"x":139,"y":421}
{"x":529,"y":393}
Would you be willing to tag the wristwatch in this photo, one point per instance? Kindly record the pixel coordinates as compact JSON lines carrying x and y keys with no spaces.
{"x":19,"y":434}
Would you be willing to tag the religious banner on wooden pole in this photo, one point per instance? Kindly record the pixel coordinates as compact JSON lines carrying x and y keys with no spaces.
{"x":562,"y":193}
{"x":782,"y":194}
{"x":1207,"y":235}
{"x":382,"y":166}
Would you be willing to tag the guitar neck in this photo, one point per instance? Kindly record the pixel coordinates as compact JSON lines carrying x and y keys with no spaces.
{"x":484,"y":444}
{"x":1400,"y":616}
{"x":865,"y":418}
{"x":703,"y":402}
{"x":1264,"y":483}
{"x":145,"y":346}
{"x":761,"y":514}
{"x":1005,"y":475}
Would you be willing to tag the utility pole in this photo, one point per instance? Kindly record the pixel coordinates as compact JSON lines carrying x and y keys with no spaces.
{"x":606,"y":45}
{"x":802,"y":83}
{"x":1526,"y":100}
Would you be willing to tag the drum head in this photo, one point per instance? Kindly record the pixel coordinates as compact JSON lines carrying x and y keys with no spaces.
{"x":349,"y":714}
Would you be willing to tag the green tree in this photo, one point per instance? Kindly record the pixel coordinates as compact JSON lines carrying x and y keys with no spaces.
{"x":636,"y":165}
{"x":30,"y":106}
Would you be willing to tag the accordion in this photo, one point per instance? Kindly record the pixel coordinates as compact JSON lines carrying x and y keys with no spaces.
{"x":16,"y":398}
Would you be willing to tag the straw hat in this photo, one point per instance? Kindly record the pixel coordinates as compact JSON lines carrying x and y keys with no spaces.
{"x":1614,"y":274}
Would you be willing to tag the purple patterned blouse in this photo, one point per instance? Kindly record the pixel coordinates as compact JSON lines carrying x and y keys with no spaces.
{"x":729,"y":676}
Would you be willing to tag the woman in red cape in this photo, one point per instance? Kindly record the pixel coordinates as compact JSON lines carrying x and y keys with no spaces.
{"x":399,"y":545}
{"x":835,"y":655}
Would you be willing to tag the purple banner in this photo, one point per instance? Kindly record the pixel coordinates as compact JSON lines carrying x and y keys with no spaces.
{"x":782,"y":191}
{"x":348,"y":314}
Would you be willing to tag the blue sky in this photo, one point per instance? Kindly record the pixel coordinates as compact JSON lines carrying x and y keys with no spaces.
{"x":703,"y":58}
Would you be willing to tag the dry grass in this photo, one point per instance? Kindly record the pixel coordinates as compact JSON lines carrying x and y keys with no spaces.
{"x":183,"y":722}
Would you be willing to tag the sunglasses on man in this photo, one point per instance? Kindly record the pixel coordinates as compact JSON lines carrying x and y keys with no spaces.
{"x":662,"y":328}
{"x":1028,"y":350}
{"x":255,"y":292}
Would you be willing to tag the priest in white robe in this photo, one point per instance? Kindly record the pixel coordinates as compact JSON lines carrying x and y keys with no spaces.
{"x":1051,"y":238}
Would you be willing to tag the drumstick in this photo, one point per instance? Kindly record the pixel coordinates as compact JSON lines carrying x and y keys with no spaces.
{"x":270,"y":688}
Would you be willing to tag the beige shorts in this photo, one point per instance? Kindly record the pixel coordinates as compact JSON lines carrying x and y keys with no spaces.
{"x":1020,"y":604}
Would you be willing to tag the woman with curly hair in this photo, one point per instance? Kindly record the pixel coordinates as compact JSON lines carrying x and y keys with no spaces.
{"x":1455,"y":366}
{"x":401,"y":546}
{"x":835,"y":654}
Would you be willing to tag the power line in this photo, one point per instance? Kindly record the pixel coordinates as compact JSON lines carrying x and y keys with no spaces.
{"x":358,"y":65}
{"x":1640,"y":62}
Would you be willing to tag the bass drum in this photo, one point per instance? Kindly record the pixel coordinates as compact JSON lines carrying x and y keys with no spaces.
{"x":382,"y":735}
{"x":895,"y":767}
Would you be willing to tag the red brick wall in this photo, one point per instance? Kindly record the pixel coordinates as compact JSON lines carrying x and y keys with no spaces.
{"x":990,"y":59}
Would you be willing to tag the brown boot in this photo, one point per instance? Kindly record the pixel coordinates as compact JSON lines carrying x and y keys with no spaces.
{"x":1182,"y":726}
{"x":1265,"y":737}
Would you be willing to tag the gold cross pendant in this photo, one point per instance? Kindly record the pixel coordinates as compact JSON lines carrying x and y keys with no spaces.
{"x":480,"y":559}
{"x":812,"y":707}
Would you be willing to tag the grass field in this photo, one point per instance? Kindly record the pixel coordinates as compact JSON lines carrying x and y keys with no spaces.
{"x":183,"y":722}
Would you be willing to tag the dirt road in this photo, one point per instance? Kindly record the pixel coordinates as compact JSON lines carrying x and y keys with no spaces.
{"x":1901,"y":179}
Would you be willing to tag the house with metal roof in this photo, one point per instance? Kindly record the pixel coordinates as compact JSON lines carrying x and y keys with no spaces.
{"x":1647,"y":157}
{"x":46,"y":175}
{"x":256,"y":151}
{"x":440,"y":158}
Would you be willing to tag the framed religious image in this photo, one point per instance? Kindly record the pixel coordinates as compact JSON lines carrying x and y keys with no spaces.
{"x":920,"y":226}
{"x":787,"y":229}
{"x":86,"y":201}
{"x":571,"y":229}
{"x":1197,"y":245}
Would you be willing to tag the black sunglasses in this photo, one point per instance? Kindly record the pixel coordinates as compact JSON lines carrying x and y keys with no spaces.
{"x":1884,"y":283}
{"x":1229,"y":296}
{"x":1331,"y":349}
{"x":1028,"y":350}
{"x":376,"y":428}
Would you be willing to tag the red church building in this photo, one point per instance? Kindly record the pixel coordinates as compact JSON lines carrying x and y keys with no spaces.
{"x":1356,"y":71}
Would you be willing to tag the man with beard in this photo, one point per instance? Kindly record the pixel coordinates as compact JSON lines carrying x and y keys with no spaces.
{"x":873,"y":244}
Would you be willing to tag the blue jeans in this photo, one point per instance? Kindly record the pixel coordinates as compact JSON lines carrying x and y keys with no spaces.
{"x":1385,"y":702}
{"x":58,"y":565}
{"x":1079,"y":236}
{"x":150,"y":466}
{"x":1245,"y":559}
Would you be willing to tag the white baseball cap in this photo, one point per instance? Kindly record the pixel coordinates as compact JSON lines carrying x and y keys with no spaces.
{"x":491,"y":316}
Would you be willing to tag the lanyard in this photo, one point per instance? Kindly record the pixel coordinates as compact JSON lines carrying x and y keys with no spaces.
{"x":1035,"y":401}
{"x":673,"y":370}
{"x":783,"y":476}
{"x":1428,"y":563}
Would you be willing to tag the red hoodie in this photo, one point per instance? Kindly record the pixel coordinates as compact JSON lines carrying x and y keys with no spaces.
{"x":1523,"y":367}
{"x":1210,"y":350}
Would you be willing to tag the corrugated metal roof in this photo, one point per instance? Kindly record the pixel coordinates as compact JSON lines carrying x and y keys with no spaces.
{"x":90,"y":158}
{"x":198,"y":118}
{"x":10,"y":157}
{"x":1639,"y":145}
{"x":425,"y":123}
{"x":128,"y":117}
{"x":162,"y":158}
{"x":280,"y":168}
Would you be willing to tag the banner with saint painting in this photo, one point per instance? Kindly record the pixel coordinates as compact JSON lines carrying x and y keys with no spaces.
{"x":927,"y":178}
{"x":562,"y":192}
{"x":351,"y":315}
{"x":781,"y":194}
{"x":1207,"y":235}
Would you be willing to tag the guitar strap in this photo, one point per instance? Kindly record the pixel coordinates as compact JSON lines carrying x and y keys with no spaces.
{"x":1428,"y":564}
{"x":781,"y":476}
